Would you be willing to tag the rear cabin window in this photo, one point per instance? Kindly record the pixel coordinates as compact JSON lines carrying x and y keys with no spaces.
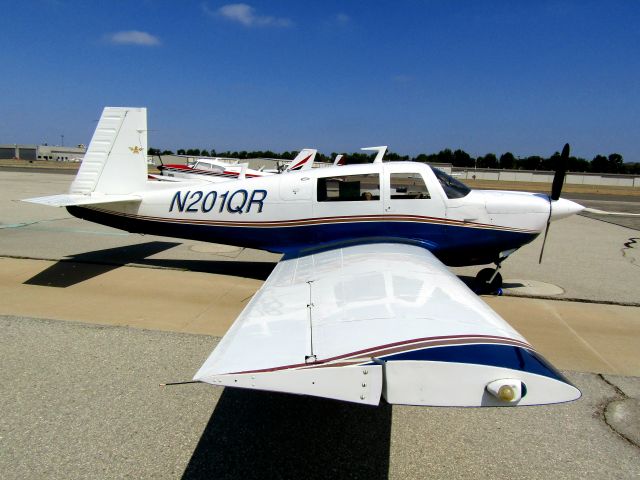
{"x":349,"y":188}
{"x":408,"y":186}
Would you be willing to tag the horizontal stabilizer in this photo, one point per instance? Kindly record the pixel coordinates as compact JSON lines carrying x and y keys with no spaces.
{"x":79,"y":199}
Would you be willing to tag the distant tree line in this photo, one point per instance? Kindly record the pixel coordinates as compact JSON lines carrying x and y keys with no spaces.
{"x":612,"y":163}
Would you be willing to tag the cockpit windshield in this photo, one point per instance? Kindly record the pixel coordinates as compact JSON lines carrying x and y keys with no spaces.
{"x":452,"y":188}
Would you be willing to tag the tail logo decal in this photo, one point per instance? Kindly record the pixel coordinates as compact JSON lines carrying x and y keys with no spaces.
{"x":135,"y":149}
{"x":300,"y":164}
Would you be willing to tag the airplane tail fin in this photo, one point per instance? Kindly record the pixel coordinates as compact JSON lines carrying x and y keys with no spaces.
{"x":115,"y":165}
{"x":116,"y":160}
{"x":303,"y":161}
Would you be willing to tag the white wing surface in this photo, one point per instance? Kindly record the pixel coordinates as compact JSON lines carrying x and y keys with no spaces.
{"x":357,"y":322}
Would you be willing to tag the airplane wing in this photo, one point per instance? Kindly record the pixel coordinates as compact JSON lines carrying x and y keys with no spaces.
{"x":387,"y":319}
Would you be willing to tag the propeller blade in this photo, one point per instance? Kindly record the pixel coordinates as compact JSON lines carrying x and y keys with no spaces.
{"x":544,"y":239}
{"x":561,"y":170}
{"x":556,"y":189}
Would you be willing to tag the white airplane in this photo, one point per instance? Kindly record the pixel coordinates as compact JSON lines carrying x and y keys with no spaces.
{"x":361,"y":306}
{"x":216,"y":170}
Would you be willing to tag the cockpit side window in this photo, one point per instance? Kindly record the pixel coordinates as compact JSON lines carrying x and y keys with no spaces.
{"x":349,"y":188}
{"x":202,"y":166}
{"x":452,"y":188}
{"x":408,"y":186}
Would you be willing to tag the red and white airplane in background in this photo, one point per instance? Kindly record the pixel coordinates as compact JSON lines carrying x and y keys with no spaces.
{"x":217,"y":170}
{"x":361,"y":305}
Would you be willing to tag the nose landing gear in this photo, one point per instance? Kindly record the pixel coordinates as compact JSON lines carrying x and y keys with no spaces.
{"x":489,"y":280}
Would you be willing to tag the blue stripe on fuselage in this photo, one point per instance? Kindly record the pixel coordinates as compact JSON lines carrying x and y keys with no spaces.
{"x":453,"y":244}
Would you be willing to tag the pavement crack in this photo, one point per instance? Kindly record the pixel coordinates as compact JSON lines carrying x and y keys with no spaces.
{"x":569,"y":299}
{"x":617,"y":389}
{"x":26,"y":224}
{"x":630,"y":244}
{"x":244,"y":300}
{"x":604,"y":407}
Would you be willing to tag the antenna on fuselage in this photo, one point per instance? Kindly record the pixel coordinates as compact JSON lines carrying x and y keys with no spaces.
{"x":381,"y":151}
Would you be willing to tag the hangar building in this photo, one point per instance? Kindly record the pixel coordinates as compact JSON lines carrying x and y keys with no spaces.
{"x":42,"y":152}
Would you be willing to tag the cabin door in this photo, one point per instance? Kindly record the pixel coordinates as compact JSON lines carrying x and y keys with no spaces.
{"x":408,"y":192}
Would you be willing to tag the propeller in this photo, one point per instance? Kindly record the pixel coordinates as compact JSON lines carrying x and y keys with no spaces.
{"x":556,"y":189}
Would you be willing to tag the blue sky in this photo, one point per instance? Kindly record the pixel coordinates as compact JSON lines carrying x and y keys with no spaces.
{"x":418,"y":76}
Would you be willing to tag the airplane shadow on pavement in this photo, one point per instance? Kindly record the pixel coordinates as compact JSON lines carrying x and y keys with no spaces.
{"x":236,"y":268}
{"x":81,"y":267}
{"x":84,"y":266}
{"x":253,"y":434}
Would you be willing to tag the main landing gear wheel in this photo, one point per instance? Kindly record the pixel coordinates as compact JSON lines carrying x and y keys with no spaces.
{"x":488,"y":281}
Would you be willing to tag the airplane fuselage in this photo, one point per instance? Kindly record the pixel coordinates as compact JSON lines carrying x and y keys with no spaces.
{"x":322,"y":208}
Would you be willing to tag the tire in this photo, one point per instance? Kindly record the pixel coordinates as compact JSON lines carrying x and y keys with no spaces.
{"x":482,"y":283}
